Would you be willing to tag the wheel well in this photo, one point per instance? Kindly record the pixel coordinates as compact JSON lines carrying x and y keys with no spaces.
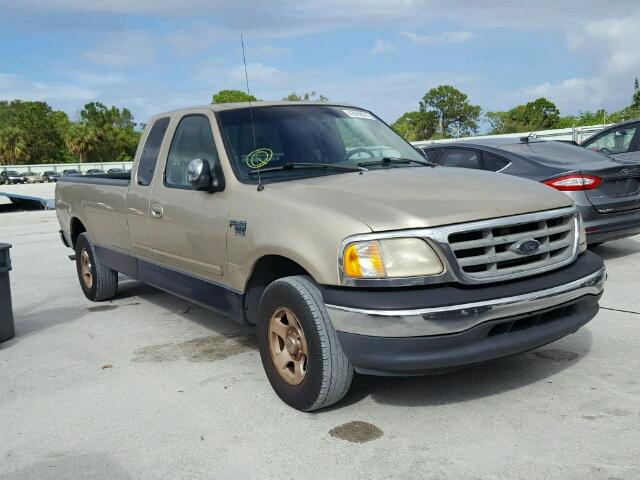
{"x":266,"y":270}
{"x":76,"y":229}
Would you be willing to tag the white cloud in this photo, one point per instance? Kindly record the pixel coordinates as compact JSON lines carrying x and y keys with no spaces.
{"x":389,"y":95}
{"x":92,"y":78}
{"x":614,"y":43}
{"x":60,"y":95}
{"x":570,"y":94}
{"x":605,"y":48}
{"x":383,"y":46}
{"x":298,"y":16}
{"x":195,"y":39}
{"x":258,"y":74}
{"x":445,"y":37}
{"x":265,"y":81}
{"x":123,"y":49}
{"x":610,"y":47}
{"x":266,"y":50}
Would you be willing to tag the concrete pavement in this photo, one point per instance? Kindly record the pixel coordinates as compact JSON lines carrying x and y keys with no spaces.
{"x":150,"y":386}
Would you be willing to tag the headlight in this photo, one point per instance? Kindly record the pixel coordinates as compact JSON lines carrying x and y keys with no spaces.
{"x":390,"y":258}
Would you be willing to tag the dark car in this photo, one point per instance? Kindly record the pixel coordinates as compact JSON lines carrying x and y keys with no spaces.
{"x":11,"y":177}
{"x":94,"y":171}
{"x":71,"y":173}
{"x":606,"y":189}
{"x":50,"y":176}
{"x":620,"y":141}
{"x":115,"y":170}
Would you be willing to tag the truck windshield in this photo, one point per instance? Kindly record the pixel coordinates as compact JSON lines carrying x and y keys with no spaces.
{"x":314,"y":134}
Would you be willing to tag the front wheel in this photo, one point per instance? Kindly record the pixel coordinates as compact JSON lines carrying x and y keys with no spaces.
{"x":299,"y":348}
{"x":98,"y":282}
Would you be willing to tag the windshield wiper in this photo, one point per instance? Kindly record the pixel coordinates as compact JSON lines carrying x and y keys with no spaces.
{"x":296,"y":165}
{"x":396,"y":161}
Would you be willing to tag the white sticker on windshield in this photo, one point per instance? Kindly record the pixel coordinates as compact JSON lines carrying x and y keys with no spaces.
{"x":358,"y":114}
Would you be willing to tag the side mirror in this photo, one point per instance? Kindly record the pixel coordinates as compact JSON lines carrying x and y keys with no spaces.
{"x":199,"y":174}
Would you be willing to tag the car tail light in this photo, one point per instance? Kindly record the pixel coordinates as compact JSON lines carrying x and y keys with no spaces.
{"x":574,"y":182}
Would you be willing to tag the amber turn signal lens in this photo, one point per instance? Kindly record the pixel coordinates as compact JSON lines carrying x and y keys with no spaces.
{"x":363,"y":260}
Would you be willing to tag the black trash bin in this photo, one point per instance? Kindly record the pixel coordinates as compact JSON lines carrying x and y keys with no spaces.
{"x":7,"y":329}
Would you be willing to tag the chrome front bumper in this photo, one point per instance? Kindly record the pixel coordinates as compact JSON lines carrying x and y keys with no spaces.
{"x":458,"y":318}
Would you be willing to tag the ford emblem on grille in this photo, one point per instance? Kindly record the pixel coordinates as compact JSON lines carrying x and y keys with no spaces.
{"x":527,"y":247}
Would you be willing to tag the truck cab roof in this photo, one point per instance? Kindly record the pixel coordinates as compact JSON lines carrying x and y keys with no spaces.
{"x":220,"y":107}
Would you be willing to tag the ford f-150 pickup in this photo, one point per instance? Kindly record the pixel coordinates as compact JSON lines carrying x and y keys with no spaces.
{"x":346,"y":248}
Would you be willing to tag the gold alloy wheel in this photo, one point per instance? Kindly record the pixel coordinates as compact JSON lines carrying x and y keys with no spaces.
{"x":85,"y":268}
{"x":288,"y":346}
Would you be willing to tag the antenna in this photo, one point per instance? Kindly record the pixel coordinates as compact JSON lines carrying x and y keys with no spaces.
{"x":253,"y":130}
{"x":532,"y":134}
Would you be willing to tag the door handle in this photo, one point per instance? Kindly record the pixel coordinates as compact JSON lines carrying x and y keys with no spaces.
{"x":156,"y":210}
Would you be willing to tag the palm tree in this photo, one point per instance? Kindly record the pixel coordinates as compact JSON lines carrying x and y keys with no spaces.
{"x":13,"y":147}
{"x":81,"y":140}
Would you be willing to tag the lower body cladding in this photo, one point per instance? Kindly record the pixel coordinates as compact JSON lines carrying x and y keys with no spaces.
{"x":437,"y":329}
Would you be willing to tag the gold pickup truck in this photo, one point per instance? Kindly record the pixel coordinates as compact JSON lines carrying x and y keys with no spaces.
{"x":345,"y":247}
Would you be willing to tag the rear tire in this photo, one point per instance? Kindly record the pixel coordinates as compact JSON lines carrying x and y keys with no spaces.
{"x":98,"y":282}
{"x":310,"y":345}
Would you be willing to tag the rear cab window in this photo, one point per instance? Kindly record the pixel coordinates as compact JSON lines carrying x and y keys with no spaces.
{"x":149,"y":156}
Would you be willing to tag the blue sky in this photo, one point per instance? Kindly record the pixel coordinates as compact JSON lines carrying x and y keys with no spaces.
{"x":153,"y":55}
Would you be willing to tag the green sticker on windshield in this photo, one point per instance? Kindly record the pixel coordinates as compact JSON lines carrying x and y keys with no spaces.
{"x":259,"y":157}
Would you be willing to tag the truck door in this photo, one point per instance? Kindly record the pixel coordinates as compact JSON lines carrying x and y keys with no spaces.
{"x":140,"y":186}
{"x":188,"y":227}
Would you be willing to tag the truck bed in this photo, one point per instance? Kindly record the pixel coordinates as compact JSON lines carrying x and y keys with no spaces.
{"x":98,"y":203}
{"x":115,"y":179}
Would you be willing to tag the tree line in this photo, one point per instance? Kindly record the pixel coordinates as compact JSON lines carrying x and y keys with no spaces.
{"x":445,"y":112}
{"x":234,"y":96}
{"x":34,"y":133}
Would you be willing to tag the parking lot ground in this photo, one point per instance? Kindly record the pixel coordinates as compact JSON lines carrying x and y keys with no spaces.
{"x":42,"y":190}
{"x":151,"y":386}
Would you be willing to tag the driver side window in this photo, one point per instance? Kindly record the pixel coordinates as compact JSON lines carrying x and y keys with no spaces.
{"x":193,"y":139}
{"x":617,"y":141}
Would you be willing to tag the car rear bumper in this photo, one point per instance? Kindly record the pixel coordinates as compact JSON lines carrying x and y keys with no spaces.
{"x":440,"y":337}
{"x":604,"y":227}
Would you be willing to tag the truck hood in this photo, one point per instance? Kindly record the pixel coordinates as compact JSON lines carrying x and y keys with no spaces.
{"x":420,"y":197}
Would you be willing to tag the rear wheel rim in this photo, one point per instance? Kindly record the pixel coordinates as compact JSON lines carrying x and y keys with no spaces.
{"x":86,"y":268}
{"x":288,"y":346}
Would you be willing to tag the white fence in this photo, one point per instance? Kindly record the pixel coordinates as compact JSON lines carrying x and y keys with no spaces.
{"x":60,"y":167}
{"x":577,"y":134}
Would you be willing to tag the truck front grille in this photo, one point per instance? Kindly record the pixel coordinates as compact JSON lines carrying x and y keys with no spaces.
{"x":490,"y":252}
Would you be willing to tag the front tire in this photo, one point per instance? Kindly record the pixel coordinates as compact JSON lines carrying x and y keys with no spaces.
{"x":98,"y":282}
{"x":299,"y":348}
